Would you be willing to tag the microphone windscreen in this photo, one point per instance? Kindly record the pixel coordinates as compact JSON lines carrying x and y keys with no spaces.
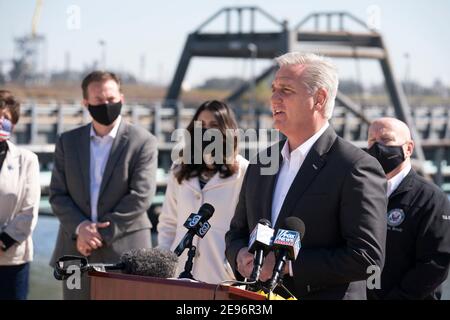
{"x":206,"y":210}
{"x":295,"y":224}
{"x":265,"y":222}
{"x":151,"y":262}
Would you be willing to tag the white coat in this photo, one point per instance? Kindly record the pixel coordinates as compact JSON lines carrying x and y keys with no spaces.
{"x":210,"y":264}
{"x":20,"y":193}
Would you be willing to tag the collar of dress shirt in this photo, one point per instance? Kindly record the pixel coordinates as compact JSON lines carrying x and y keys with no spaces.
{"x":395,"y":181}
{"x":112,"y":133}
{"x":295,"y":158}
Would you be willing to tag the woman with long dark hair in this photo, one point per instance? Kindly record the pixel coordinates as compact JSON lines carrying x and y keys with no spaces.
{"x":203,"y":176}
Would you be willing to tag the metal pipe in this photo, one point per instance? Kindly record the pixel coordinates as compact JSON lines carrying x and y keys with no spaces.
{"x":239,"y":11}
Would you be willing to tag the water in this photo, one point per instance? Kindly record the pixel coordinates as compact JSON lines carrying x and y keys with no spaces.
{"x":42,"y":283}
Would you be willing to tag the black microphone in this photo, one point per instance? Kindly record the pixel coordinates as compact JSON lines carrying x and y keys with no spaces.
{"x":197,"y":224}
{"x":286,"y":245}
{"x":151,"y":262}
{"x":259,"y":244}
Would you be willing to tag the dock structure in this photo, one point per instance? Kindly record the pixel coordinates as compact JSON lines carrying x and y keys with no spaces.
{"x":338,"y":35}
{"x":40,"y":125}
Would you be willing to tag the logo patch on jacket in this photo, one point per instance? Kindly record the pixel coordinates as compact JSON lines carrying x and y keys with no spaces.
{"x":395,"y":217}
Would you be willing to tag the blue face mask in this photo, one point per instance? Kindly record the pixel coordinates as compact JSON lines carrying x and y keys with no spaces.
{"x":5,"y":129}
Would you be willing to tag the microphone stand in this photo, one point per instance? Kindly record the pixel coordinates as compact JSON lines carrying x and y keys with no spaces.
{"x":256,"y":286}
{"x":189,"y":263}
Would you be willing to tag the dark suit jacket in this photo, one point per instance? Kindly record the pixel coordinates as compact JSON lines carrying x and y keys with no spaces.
{"x":340,"y":194}
{"x":126,"y":192}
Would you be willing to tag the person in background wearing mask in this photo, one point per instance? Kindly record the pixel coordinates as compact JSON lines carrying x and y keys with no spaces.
{"x":103,"y":182}
{"x":418,"y":218}
{"x":192,"y":184}
{"x":20,"y":192}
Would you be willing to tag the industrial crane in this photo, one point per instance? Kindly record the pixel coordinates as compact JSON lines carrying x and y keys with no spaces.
{"x":29,"y":49}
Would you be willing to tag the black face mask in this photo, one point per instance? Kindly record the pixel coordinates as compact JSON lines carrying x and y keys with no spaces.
{"x":105,"y":113}
{"x":199,"y":148}
{"x":390,"y":157}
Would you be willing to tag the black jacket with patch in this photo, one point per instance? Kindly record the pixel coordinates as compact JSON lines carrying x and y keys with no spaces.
{"x":418,"y":242}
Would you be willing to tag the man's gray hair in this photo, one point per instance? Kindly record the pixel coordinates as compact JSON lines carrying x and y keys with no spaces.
{"x":319,"y":73}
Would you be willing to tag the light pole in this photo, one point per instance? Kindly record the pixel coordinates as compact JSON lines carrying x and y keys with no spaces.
{"x":102,"y":63}
{"x":253,"y":48}
{"x":407,"y":81}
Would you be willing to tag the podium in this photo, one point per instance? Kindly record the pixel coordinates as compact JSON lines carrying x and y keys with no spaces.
{"x":118,"y":286}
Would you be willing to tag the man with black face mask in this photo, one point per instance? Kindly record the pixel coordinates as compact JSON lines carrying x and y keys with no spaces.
{"x":418,"y":217}
{"x":103,"y":182}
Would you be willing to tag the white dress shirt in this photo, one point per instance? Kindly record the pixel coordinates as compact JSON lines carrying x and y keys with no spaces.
{"x":100,"y":149}
{"x":395,"y":181}
{"x":292,"y":162}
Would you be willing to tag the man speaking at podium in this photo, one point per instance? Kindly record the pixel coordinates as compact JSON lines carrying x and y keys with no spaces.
{"x":337,"y":189}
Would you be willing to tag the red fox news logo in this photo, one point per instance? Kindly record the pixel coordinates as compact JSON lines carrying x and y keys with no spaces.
{"x":286,"y":237}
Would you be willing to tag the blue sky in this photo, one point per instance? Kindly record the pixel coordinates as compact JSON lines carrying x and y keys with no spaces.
{"x":158,"y":30}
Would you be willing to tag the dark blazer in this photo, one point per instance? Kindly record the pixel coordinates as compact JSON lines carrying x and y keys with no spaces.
{"x":127,"y":189}
{"x":126,"y":192}
{"x":418,"y":242}
{"x":340,"y":194}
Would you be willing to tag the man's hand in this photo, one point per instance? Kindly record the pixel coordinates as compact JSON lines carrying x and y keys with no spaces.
{"x":88,"y":237}
{"x":267,"y":268}
{"x":244,"y":261}
{"x":1,"y":246}
{"x":268,"y":265}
